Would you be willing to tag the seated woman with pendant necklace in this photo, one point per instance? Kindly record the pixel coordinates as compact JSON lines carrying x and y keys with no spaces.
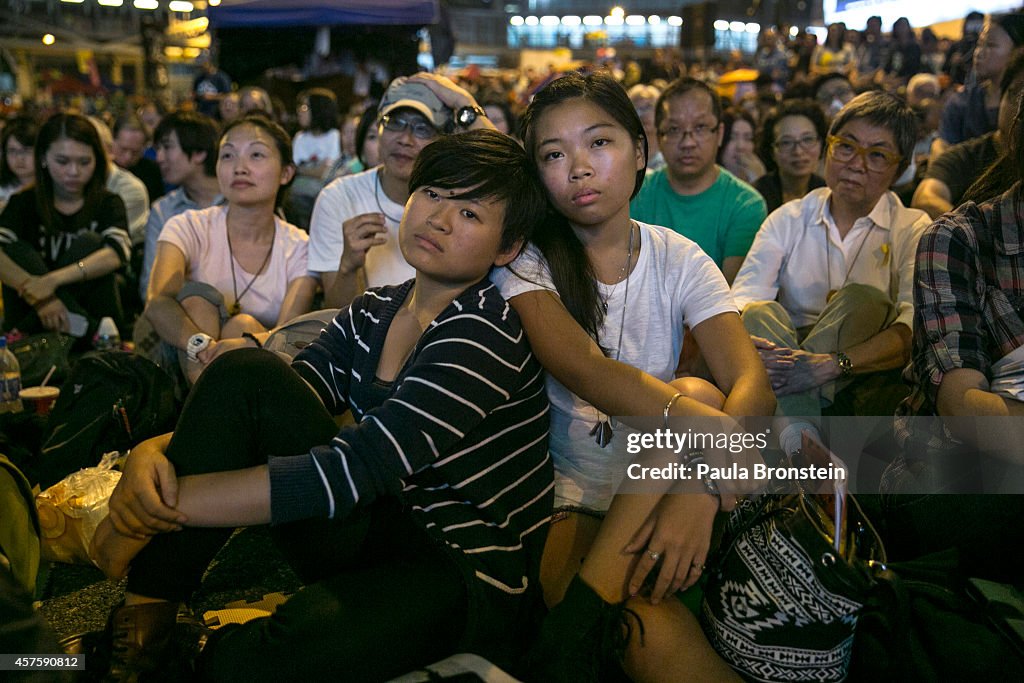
{"x":826,"y":288}
{"x":225,"y":275}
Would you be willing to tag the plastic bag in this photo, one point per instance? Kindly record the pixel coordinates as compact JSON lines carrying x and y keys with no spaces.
{"x":71,"y":509}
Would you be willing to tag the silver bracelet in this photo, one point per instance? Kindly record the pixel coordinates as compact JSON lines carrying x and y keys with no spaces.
{"x":81,"y":269}
{"x":668,"y":407}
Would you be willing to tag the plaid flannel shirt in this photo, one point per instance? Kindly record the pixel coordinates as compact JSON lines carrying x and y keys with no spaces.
{"x":968,"y":301}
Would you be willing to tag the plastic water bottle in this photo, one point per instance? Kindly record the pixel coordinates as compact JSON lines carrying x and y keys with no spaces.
{"x":10,"y":380}
{"x":107,"y":336}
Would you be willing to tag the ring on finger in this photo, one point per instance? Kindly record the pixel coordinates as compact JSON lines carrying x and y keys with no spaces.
{"x":699,"y":567}
{"x":654,"y":555}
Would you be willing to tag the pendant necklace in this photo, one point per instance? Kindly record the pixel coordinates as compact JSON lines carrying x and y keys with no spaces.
{"x":849,"y":269}
{"x":236,"y":307}
{"x":602,"y":431}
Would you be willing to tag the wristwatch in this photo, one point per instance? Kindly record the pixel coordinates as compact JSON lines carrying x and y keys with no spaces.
{"x":844,"y":363}
{"x":467,"y":116}
{"x":196,"y":343}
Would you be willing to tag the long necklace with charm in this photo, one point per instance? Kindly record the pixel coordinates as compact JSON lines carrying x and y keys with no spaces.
{"x":849,"y":269}
{"x":603,"y":431}
{"x":236,"y":307}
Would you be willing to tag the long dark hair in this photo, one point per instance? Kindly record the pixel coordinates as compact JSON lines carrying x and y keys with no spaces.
{"x":323,"y":109}
{"x":1008,"y":168}
{"x":67,"y":127}
{"x":571,"y":270}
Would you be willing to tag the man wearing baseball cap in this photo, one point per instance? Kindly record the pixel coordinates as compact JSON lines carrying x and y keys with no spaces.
{"x":354,"y":228}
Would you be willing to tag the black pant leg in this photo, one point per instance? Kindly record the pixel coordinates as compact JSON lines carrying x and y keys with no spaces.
{"x":247,"y":406}
{"x":402,"y":607}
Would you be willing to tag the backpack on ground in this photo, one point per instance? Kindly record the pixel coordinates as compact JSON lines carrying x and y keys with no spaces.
{"x":19,"y":530}
{"x":110,"y":402}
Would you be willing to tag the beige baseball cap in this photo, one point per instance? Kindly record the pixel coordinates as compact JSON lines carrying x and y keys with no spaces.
{"x":418,"y":97}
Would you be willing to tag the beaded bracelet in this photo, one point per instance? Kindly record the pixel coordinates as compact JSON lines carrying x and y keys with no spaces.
{"x":252,"y":337}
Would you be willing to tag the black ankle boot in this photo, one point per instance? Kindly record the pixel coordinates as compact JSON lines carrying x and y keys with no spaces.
{"x":582,"y":640}
{"x":151,"y":643}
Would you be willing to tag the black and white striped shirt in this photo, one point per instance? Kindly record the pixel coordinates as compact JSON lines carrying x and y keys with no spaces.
{"x":460,"y":435}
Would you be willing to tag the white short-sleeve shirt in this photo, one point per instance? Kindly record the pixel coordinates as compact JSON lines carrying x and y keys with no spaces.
{"x":202,"y":238}
{"x":343,"y":199}
{"x":673,"y":284}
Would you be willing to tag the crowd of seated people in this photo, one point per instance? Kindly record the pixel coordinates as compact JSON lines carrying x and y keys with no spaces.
{"x":508,"y":263}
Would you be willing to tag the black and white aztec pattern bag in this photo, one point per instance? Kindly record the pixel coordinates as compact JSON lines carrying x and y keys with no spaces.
{"x":782,"y":597}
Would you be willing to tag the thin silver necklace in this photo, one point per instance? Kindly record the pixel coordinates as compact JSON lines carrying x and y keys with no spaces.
{"x":849,"y":268}
{"x":377,"y":189}
{"x":603,"y":431}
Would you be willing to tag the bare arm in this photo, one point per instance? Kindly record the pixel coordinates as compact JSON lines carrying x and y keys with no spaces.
{"x":340,"y":288}
{"x":298,"y":299}
{"x":226,"y":499}
{"x":12,"y":274}
{"x":731,"y":267}
{"x":575,"y":360}
{"x":888,"y":349}
{"x":162,"y":308}
{"x":938,"y":147}
{"x":965,"y":392}
{"x":933,"y":197}
{"x":735,"y":365}
{"x":97,"y":264}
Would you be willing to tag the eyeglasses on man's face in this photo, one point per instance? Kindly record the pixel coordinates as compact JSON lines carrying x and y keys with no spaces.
{"x":398,"y":124}
{"x":789,"y":145}
{"x":700,"y":133}
{"x":876,"y":159}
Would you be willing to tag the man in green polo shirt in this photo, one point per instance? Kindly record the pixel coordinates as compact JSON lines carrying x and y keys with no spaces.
{"x":692,"y":194}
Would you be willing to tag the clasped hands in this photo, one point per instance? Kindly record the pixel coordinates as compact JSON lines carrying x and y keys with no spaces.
{"x":793,"y":371}
{"x":142,"y":505}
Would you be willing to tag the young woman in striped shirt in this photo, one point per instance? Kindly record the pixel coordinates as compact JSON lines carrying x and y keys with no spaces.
{"x":419,"y":529}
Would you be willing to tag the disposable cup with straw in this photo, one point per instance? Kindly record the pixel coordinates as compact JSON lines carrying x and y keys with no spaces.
{"x":42,"y":397}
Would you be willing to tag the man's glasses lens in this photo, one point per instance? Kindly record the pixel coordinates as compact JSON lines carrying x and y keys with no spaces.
{"x":420,"y":129}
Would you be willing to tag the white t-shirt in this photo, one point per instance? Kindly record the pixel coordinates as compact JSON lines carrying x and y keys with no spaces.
{"x":673,"y":284}
{"x":202,"y":236}
{"x":308,"y":146}
{"x":343,"y":199}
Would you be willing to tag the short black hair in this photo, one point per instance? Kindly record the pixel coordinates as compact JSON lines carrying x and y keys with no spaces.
{"x":496,"y":167}
{"x":196,"y":133}
{"x":24,"y":130}
{"x":884,"y":110}
{"x":807,"y":108}
{"x":129,"y":121}
{"x":680,"y":87}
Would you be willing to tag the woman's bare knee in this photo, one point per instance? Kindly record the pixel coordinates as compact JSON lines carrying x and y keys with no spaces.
{"x":700,"y":390}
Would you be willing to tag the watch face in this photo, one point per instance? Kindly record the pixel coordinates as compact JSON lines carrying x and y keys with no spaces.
{"x":466,"y":116}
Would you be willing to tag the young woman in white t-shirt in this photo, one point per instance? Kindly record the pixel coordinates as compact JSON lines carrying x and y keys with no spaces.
{"x":604,"y":300}
{"x":225,"y":275}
